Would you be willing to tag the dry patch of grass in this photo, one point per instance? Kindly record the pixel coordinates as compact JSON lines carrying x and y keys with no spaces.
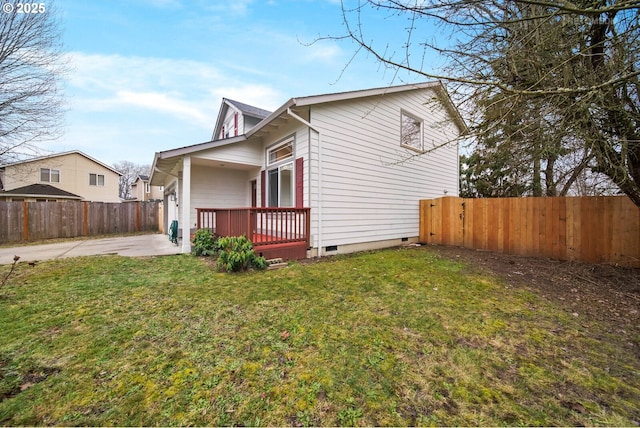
{"x":394,"y":337}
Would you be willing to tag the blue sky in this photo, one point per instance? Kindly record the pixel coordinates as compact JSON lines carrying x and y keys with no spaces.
{"x":149,"y":75}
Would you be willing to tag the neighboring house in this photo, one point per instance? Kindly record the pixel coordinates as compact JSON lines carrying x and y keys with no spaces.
{"x":326,"y":174}
{"x":141,"y":190}
{"x":62,"y":176}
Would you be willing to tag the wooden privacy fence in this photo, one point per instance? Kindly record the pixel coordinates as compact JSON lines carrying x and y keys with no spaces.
{"x":34,"y":221}
{"x":592,"y":229}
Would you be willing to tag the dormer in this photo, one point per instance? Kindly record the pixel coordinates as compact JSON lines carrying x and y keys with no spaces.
{"x":236,"y":118}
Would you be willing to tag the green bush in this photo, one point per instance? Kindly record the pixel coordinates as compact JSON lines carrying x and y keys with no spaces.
{"x":236,"y":254}
{"x":205,"y":243}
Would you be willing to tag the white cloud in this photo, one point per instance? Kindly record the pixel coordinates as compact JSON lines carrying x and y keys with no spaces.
{"x":166,"y":104}
{"x":134,"y":106}
{"x":187,"y":90}
{"x":324,"y":51}
{"x":111,"y":72}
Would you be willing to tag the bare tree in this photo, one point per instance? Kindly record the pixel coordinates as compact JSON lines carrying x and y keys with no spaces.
{"x":555,"y":81}
{"x":31,"y":67}
{"x":130,"y":172}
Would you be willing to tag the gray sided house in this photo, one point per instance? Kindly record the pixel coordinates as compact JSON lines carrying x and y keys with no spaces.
{"x":323,"y":174}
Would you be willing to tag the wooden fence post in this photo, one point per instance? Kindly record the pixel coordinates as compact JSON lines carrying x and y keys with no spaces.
{"x":25,"y":221}
{"x":137,"y":216}
{"x":85,"y":220}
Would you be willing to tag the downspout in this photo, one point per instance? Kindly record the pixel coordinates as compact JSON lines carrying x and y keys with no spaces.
{"x":310,"y":126}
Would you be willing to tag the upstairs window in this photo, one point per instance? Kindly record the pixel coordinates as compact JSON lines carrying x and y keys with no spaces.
{"x":411,"y":131}
{"x":49,"y":175}
{"x":96,"y":180}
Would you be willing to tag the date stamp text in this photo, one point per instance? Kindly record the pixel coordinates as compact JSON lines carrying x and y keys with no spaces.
{"x":23,"y":8}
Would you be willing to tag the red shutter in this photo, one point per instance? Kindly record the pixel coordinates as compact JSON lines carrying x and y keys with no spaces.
{"x":235,"y":124}
{"x":300,"y":183}
{"x":263,"y":189}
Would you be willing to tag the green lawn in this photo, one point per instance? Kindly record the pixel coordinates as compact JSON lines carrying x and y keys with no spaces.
{"x":394,"y":337}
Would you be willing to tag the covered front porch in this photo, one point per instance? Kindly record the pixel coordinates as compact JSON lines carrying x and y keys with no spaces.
{"x":274,"y":232}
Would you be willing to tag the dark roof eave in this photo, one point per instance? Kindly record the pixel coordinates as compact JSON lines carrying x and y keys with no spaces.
{"x":39,"y":195}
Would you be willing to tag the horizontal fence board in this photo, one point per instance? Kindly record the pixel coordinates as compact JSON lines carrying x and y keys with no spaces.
{"x":35,"y":221}
{"x":594,"y":229}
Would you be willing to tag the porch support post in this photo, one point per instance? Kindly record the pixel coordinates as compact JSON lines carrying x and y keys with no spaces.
{"x":186,"y":204}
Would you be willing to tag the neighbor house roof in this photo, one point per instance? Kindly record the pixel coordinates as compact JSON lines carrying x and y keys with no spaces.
{"x":55,"y":155}
{"x":40,"y":191}
{"x":166,"y":160}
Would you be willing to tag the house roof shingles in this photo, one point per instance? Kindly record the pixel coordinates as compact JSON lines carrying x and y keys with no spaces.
{"x":248,"y":110}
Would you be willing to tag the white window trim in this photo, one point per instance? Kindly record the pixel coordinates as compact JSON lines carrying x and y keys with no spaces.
{"x":279,"y":165}
{"x":104,"y":180}
{"x":50,"y":171}
{"x":417,"y":119}
{"x":275,"y":147}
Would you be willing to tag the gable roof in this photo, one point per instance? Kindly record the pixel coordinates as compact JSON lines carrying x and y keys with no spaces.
{"x":167,"y":158}
{"x":437,"y":86}
{"x":245,"y":109}
{"x":40,"y":190}
{"x":55,"y":155}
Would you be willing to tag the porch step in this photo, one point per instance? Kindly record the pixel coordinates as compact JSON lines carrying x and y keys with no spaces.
{"x":276,"y":263}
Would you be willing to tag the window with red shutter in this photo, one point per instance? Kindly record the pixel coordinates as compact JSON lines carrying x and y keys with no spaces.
{"x":235,"y":124}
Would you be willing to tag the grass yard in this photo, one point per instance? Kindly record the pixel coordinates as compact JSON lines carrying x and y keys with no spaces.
{"x":393,"y":337}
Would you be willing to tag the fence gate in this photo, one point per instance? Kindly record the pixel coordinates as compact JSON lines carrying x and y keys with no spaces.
{"x":442,"y":221}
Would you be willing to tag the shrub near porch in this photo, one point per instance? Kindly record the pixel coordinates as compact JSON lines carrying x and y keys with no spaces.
{"x":395,"y":337}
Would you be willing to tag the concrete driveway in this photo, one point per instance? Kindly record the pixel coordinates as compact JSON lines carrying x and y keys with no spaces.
{"x":130,"y":246}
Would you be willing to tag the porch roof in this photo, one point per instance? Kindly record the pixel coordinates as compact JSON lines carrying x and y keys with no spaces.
{"x":166,"y":163}
{"x":40,"y":191}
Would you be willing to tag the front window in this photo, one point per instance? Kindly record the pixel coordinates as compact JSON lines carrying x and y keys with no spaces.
{"x":49,"y":175}
{"x":96,"y":180}
{"x":411,"y":132}
{"x":280,"y":178}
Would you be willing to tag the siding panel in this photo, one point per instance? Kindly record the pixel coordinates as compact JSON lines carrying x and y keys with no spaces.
{"x":372,"y":185}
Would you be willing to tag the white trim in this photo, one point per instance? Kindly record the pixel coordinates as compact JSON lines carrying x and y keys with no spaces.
{"x":50,"y":171}
{"x":291,"y":139}
{"x":417,"y":119}
{"x":186,"y":205}
{"x":319,"y":179}
{"x":287,"y":141}
{"x":97,"y":184}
